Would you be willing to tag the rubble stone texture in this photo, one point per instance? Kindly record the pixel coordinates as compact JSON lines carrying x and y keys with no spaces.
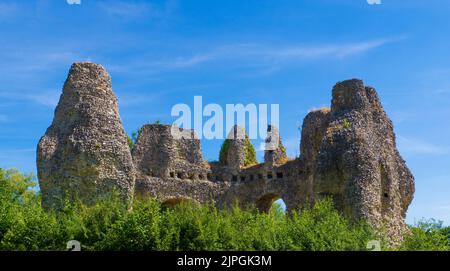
{"x":158,"y":153}
{"x":235,"y":153}
{"x":348,"y":153}
{"x":314,"y":130}
{"x":358,"y":163}
{"x":84,"y":153}
{"x":275,"y":153}
{"x":171,"y":168}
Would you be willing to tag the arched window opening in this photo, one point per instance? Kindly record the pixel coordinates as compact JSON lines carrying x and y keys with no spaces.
{"x":270,"y":201}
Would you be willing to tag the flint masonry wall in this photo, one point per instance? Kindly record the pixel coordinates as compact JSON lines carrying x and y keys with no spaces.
{"x":157,"y":153}
{"x":348,"y":153}
{"x":358,"y":163}
{"x":172,"y":169}
{"x":84,"y":153}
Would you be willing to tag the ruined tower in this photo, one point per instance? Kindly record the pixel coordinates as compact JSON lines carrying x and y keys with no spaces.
{"x":84,"y":154}
{"x":358,"y":163}
{"x":235,"y":152}
{"x":274,"y":153}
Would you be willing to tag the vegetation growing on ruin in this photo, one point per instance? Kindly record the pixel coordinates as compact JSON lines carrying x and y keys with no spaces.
{"x":133,"y":139}
{"x":130,"y":142}
{"x":284,"y":158}
{"x":346,"y":124}
{"x":250,"y":153}
{"x":110,"y":225}
{"x":224,"y":151}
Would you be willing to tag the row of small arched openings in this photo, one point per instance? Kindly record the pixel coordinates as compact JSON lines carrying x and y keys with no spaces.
{"x":259,"y":176}
{"x":191,"y":176}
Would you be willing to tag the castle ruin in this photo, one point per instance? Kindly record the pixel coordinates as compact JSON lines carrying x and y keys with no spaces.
{"x":348,"y":153}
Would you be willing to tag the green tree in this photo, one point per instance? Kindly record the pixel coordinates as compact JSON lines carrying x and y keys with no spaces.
{"x":250,"y":153}
{"x":427,"y":235}
{"x":112,"y":225}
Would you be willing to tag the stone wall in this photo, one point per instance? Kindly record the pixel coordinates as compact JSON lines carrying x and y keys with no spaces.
{"x":158,"y":153}
{"x":84,"y":154}
{"x":274,"y":153}
{"x":348,"y":153}
{"x":358,"y":163}
{"x":170,"y":168}
{"x":235,"y":154}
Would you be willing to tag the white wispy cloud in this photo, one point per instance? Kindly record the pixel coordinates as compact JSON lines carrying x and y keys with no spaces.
{"x":326,"y":50}
{"x":297,"y":52}
{"x":187,"y":62}
{"x":46,"y":98}
{"x":255,"y":55}
{"x":144,"y":65}
{"x":24,"y":63}
{"x":417,"y":146}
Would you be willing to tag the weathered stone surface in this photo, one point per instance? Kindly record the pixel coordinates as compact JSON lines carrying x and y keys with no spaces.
{"x":358,"y":163}
{"x":172,"y":190}
{"x":314,"y":129}
{"x":262,"y":185}
{"x":158,"y":153}
{"x":348,"y":153}
{"x":235,"y":156}
{"x":84,"y":153}
{"x":171,"y":168}
{"x":275,"y":153}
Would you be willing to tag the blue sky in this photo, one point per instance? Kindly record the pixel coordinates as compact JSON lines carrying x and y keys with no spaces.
{"x":160,"y":53}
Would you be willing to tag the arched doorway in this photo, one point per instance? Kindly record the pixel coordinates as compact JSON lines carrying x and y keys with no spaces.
{"x":280,"y":204}
{"x":269,"y":201}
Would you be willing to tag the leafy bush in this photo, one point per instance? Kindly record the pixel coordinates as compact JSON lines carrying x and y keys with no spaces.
{"x":148,"y":225}
{"x":250,"y":153}
{"x":224,"y":151}
{"x":130,"y":142}
{"x":322,"y":228}
{"x":427,"y":235}
{"x":23,"y":223}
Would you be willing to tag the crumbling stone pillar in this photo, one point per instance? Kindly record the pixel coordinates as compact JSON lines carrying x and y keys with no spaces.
{"x":84,"y":154}
{"x":235,"y":153}
{"x":275,"y":153}
{"x":358,"y":163}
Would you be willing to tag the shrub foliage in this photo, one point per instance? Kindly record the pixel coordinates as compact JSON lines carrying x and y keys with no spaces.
{"x":147,"y":225}
{"x":250,"y":153}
